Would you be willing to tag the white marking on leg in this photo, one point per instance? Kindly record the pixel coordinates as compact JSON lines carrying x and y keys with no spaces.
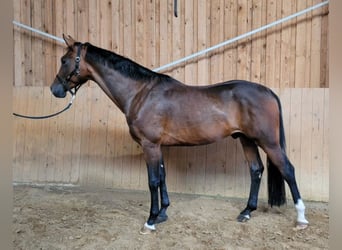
{"x":300,"y":207}
{"x":147,"y":229}
{"x":151,"y":227}
{"x":161,"y":165}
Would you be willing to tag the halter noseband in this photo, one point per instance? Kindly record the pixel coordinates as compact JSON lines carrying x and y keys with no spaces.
{"x":75,"y":72}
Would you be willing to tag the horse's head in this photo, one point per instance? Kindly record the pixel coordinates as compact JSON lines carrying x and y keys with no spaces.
{"x":73,"y":72}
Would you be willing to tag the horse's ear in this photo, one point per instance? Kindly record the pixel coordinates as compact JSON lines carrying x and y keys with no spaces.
{"x":69,"y":40}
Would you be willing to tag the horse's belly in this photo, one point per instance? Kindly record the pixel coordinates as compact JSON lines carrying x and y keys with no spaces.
{"x":196,"y":134}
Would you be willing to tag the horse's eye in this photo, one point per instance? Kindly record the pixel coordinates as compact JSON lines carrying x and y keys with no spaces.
{"x":63,"y":61}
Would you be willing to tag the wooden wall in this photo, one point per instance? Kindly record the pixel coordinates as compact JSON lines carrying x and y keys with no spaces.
{"x":90,"y":144}
{"x":293,"y":54}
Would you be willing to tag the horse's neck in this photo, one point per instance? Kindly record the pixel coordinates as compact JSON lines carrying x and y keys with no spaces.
{"x":120,"y":89}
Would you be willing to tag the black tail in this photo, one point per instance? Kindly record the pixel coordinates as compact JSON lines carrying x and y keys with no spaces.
{"x":276,"y":184}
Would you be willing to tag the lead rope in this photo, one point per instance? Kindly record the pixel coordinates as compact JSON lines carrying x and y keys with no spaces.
{"x":48,"y":116}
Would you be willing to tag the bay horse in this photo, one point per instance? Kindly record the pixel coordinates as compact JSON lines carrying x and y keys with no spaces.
{"x":161,"y":111}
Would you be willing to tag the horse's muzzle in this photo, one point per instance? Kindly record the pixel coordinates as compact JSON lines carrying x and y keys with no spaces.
{"x":58,"y":90}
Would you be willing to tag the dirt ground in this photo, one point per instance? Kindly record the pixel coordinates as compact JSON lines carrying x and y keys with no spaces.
{"x":74,"y":218}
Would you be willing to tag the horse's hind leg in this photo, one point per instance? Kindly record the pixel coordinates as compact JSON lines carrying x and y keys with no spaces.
{"x":256,"y":169}
{"x":279,"y":159}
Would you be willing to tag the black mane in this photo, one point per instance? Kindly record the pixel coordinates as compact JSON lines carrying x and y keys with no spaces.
{"x":125,"y":66}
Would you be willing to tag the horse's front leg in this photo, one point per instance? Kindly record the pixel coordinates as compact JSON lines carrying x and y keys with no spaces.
{"x":156,"y":180}
{"x":256,"y":169}
{"x":162,"y":216}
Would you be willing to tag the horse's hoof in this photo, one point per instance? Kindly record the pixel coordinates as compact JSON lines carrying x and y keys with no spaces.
{"x":243,"y":217}
{"x":301,"y":226}
{"x":147,"y":229}
{"x":161,"y":219}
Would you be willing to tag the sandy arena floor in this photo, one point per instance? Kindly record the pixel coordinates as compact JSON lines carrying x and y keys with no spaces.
{"x":74,"y":218}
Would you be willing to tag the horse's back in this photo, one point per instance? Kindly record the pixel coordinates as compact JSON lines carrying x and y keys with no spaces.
{"x":241,"y":88}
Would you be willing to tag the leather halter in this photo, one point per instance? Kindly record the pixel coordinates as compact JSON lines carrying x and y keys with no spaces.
{"x":75,"y":72}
